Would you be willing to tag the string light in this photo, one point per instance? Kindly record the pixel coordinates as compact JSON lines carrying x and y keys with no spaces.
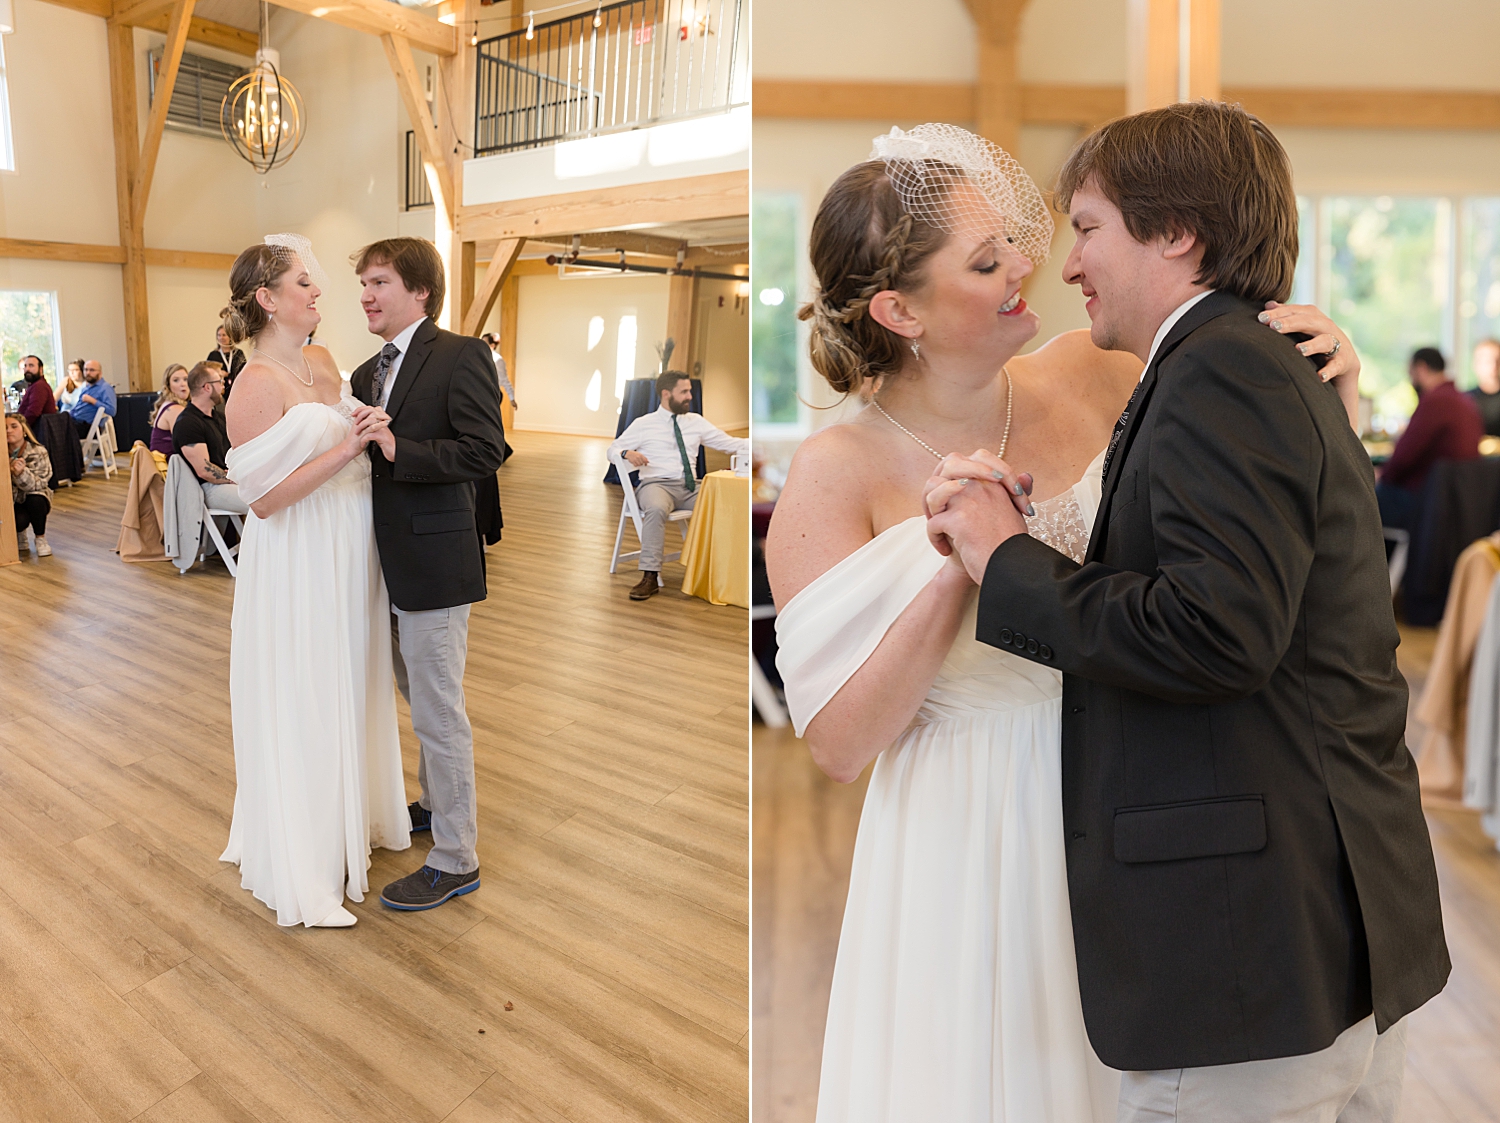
{"x":531,"y":25}
{"x":474,"y":39}
{"x":597,"y":13}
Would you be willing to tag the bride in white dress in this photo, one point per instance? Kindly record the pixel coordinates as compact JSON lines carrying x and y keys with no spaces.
{"x":955,"y":991}
{"x":316,"y":751}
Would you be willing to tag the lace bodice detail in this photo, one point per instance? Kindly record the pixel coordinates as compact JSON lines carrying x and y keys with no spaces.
{"x":1060,"y":523}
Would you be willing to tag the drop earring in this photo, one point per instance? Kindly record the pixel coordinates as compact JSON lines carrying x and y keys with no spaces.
{"x":916,"y":350}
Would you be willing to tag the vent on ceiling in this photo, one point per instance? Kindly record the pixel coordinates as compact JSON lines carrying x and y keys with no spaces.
{"x":199,"y":92}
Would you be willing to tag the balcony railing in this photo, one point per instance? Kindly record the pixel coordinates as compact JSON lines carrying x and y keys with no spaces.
{"x":623,"y":66}
{"x":418,"y":190}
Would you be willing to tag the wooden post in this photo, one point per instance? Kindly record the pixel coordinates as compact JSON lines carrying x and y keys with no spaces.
{"x":682,"y":298}
{"x":1173,"y":49}
{"x":998,"y":96}
{"x":122,"y":90}
{"x":171,"y":62}
{"x":502,"y":261}
{"x":10,"y":550}
{"x":510,"y":306}
{"x":453,"y":116}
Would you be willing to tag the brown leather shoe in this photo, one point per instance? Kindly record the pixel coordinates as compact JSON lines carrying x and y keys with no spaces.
{"x":646,"y":586}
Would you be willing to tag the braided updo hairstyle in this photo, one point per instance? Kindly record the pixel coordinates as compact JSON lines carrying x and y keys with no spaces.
{"x":863,"y":243}
{"x":257,"y":268}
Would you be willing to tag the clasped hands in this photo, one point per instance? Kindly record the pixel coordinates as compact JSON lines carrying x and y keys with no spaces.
{"x":373,"y":424}
{"x":974,"y":503}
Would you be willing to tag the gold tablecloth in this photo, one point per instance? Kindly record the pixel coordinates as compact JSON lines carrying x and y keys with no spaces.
{"x":717,"y":551}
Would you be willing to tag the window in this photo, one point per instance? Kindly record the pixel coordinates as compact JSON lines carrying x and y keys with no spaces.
{"x":1399,"y":273}
{"x":28,"y":326}
{"x":7,"y":148}
{"x":198,"y":96}
{"x":773,"y":304}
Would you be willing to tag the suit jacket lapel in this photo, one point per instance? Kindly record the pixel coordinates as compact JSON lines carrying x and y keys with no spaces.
{"x":411,"y":365}
{"x":359,"y":381}
{"x":1209,"y":308}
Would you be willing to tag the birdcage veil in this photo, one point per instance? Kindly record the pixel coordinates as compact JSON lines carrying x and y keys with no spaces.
{"x":286,"y":245}
{"x":957,"y":181}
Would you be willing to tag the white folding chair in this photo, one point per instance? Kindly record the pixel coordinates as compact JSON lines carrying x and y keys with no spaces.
{"x":211,"y":526}
{"x":100,"y":442}
{"x":762,"y":693}
{"x":631,"y":510}
{"x":1400,"y":547}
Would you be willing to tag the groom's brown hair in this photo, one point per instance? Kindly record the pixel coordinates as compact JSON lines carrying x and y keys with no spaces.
{"x":416,"y":262}
{"x":1202,"y":167}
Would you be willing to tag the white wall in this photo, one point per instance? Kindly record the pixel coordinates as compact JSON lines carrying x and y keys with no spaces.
{"x":721,"y":353}
{"x":554,"y":363}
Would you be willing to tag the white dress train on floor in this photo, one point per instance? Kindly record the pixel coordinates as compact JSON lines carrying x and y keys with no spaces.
{"x":955,"y":991}
{"x":316,"y":753}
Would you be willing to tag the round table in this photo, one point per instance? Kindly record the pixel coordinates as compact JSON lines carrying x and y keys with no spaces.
{"x":717,"y":550}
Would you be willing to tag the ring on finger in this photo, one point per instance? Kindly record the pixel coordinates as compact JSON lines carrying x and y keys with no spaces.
{"x":1337,"y":344}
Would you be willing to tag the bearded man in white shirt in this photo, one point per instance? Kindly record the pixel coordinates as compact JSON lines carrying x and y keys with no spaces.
{"x":664,"y":445}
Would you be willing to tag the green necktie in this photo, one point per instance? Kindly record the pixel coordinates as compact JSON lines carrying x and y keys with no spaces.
{"x":689,"y":481}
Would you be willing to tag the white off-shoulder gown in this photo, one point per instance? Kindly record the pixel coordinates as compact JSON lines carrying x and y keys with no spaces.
{"x":955,"y":991}
{"x":317,"y":756}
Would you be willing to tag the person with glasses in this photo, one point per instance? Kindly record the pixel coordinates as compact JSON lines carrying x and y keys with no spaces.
{"x":203,"y":441}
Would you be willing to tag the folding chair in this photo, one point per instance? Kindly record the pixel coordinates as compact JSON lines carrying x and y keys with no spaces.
{"x":629,"y":509}
{"x":211,"y":534}
{"x":1400,"y":541}
{"x":762,"y":693}
{"x":100,"y":442}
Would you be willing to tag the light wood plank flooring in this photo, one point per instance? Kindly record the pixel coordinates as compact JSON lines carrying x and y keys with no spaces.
{"x":601,"y":972}
{"x":804,"y":826}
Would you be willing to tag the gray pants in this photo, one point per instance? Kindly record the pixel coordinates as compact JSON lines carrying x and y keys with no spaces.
{"x":428,"y":650}
{"x":657,"y":500}
{"x":1357,"y":1079}
{"x":224,"y":497}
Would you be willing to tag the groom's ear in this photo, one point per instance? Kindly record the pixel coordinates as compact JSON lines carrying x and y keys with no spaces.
{"x":1179,"y":242}
{"x":889,"y":310}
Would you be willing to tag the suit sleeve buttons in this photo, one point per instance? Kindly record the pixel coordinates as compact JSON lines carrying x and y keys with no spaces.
{"x":1005,"y":635}
{"x":1046,"y":653}
{"x":1032,"y":647}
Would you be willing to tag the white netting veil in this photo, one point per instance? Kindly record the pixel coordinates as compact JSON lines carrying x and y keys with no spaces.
{"x":287,"y":245}
{"x":957,"y":181}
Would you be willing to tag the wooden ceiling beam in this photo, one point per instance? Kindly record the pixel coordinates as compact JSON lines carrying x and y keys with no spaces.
{"x":236,"y":40}
{"x":166,"y":81}
{"x":133,"y":14}
{"x":381,"y":17}
{"x":409,"y":83}
{"x":502,"y":262}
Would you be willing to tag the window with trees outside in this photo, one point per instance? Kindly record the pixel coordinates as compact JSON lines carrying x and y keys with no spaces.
{"x":775,"y":218}
{"x":28,"y":326}
{"x":1398,"y":273}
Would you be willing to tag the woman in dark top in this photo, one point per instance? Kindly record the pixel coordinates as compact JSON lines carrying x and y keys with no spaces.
{"x":168,"y":408}
{"x":229,"y":357}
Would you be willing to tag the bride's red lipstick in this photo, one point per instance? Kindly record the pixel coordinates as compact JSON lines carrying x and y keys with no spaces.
{"x":1017,"y":310}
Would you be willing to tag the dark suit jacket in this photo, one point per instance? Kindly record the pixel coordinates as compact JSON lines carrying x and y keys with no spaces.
{"x":1248,"y":865}
{"x":445,"y":414}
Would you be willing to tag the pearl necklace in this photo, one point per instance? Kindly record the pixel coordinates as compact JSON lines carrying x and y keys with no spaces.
{"x":1010,"y":388}
{"x":305,"y":366}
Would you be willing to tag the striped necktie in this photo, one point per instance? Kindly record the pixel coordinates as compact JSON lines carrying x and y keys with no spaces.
{"x":388,"y":356}
{"x":689,"y":481}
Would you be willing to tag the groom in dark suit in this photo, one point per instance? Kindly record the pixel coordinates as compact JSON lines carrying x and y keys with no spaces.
{"x":1255,"y":907}
{"x":445,"y":433}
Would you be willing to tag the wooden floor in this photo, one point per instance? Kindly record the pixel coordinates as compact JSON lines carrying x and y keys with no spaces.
{"x":804,"y":827}
{"x":600,"y":973}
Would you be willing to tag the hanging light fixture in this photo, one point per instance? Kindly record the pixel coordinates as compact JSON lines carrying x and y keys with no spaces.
{"x":531,"y":25}
{"x":262,"y":116}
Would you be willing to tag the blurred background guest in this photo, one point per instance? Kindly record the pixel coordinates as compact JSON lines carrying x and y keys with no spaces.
{"x":72,"y":387}
{"x":228,"y":356}
{"x":30,"y":469}
{"x":168,"y":408}
{"x":37,"y":401}
{"x":1445,"y":426}
{"x":202,"y":439}
{"x":506,"y":389}
{"x":97,"y":395}
{"x":1486,"y":395}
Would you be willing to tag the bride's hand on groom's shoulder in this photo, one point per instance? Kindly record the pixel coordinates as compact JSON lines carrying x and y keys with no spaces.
{"x":1327,"y":338}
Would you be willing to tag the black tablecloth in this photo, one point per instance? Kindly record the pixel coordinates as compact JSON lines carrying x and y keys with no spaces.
{"x":59,"y":436}
{"x":640,"y":399}
{"x":133,"y":420}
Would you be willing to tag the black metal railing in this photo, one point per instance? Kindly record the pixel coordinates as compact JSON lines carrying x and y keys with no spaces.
{"x":418,"y":190}
{"x":622,"y":66}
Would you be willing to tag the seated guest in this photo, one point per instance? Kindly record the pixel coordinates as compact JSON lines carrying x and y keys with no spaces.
{"x":97,"y":395}
{"x":664,"y":446}
{"x":1446,"y":426}
{"x":168,"y":408}
{"x":37,"y":401}
{"x":202,"y":440}
{"x":229,"y":357}
{"x":72,"y":388}
{"x":30,"y":469}
{"x":1487,"y":394}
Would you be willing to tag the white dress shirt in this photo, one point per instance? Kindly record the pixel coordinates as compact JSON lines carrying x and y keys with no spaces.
{"x":652,"y":437}
{"x":402,"y":341}
{"x":1168,"y":324}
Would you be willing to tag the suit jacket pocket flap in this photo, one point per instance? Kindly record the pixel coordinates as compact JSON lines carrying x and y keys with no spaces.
{"x":441,"y":522}
{"x":1200,"y":829}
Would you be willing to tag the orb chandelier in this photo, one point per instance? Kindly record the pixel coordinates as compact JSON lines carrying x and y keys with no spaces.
{"x":262,"y":116}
